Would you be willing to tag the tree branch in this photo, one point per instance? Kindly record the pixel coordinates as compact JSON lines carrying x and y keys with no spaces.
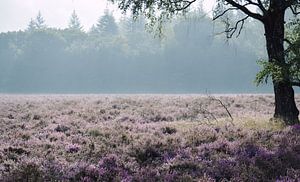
{"x":223,"y":105}
{"x":290,"y":3}
{"x":294,"y":11}
{"x":223,"y":13}
{"x":261,"y":6}
{"x":288,"y":41}
{"x":231,"y":30}
{"x":245,"y":10}
{"x":182,"y":4}
{"x":295,"y":84}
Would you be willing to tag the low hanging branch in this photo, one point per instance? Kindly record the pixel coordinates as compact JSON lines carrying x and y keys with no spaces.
{"x":239,"y":25}
{"x":182,"y":5}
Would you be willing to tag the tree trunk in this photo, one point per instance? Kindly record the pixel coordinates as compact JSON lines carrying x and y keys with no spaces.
{"x":285,"y":106}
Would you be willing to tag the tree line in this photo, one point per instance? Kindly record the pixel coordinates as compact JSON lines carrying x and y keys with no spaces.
{"x":121,"y":57}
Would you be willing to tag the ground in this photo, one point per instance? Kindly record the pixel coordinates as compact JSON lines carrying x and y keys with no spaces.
{"x":145,"y":138}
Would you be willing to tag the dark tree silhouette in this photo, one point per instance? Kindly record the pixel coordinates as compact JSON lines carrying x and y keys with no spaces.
{"x":271,"y":13}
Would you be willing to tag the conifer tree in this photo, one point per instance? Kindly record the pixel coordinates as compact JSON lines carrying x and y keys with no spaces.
{"x":74,"y":23}
{"x":40,"y":22}
{"x":106,"y":24}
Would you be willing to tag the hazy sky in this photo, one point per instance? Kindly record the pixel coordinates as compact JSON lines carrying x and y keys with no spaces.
{"x":16,"y":14}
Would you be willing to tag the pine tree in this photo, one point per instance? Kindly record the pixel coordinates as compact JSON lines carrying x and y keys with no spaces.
{"x":106,"y":24}
{"x":37,"y":24}
{"x":74,"y":23}
{"x":31,"y":25}
{"x":40,"y":22}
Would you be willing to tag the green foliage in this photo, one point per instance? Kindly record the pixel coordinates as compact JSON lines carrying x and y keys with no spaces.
{"x":269,"y":69}
{"x":157,"y":12}
{"x":291,"y":67}
{"x":293,"y":49}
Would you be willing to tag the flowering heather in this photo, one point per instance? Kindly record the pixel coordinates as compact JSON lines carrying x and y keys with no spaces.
{"x":132,"y":138}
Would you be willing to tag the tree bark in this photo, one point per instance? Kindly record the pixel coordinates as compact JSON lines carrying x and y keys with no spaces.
{"x":285,"y":106}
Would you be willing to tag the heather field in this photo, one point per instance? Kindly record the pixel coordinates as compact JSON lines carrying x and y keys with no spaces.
{"x":145,"y":138}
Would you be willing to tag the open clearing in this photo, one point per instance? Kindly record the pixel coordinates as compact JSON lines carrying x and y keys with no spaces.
{"x":145,"y":138}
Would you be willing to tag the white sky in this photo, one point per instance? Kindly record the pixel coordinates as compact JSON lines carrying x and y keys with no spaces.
{"x":16,"y":14}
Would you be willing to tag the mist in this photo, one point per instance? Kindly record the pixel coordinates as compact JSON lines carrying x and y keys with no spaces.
{"x":118,"y":55}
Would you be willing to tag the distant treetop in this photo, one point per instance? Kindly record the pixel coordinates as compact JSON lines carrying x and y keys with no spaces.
{"x":74,"y":22}
{"x":106,"y":25}
{"x":38,"y":23}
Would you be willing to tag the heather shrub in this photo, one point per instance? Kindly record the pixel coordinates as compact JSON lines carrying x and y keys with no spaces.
{"x":143,"y":138}
{"x":222,"y":169}
{"x":94,"y":133}
{"x":81,"y":171}
{"x":168,"y":130}
{"x":147,"y":154}
{"x":148,"y":175}
{"x":187,"y":167}
{"x":255,"y":163}
{"x":110,"y":169}
{"x":14,"y":153}
{"x":292,"y":175}
{"x":25,"y":170}
{"x":217,"y":149}
{"x":72,"y":148}
{"x":61,"y":128}
{"x":267,"y":165}
{"x":199,"y":135}
{"x":53,"y":170}
{"x":206,"y":178}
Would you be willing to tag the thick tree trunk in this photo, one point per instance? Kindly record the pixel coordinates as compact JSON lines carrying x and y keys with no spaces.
{"x":285,"y":106}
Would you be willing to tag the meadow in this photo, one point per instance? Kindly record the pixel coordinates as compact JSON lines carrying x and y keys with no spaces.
{"x":145,"y":138}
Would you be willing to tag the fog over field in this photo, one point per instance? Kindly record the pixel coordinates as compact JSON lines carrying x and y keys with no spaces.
{"x":149,"y":90}
{"x":115,"y":54}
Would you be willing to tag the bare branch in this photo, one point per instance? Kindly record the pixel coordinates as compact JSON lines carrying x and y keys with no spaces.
{"x":231,"y":30}
{"x":223,"y":13}
{"x":242,"y":26}
{"x":261,"y":6}
{"x":245,"y":10}
{"x":223,"y":105}
{"x":250,"y":2}
{"x":181,"y":5}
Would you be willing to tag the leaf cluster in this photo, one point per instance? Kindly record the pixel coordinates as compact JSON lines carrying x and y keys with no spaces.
{"x":291,"y":67}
